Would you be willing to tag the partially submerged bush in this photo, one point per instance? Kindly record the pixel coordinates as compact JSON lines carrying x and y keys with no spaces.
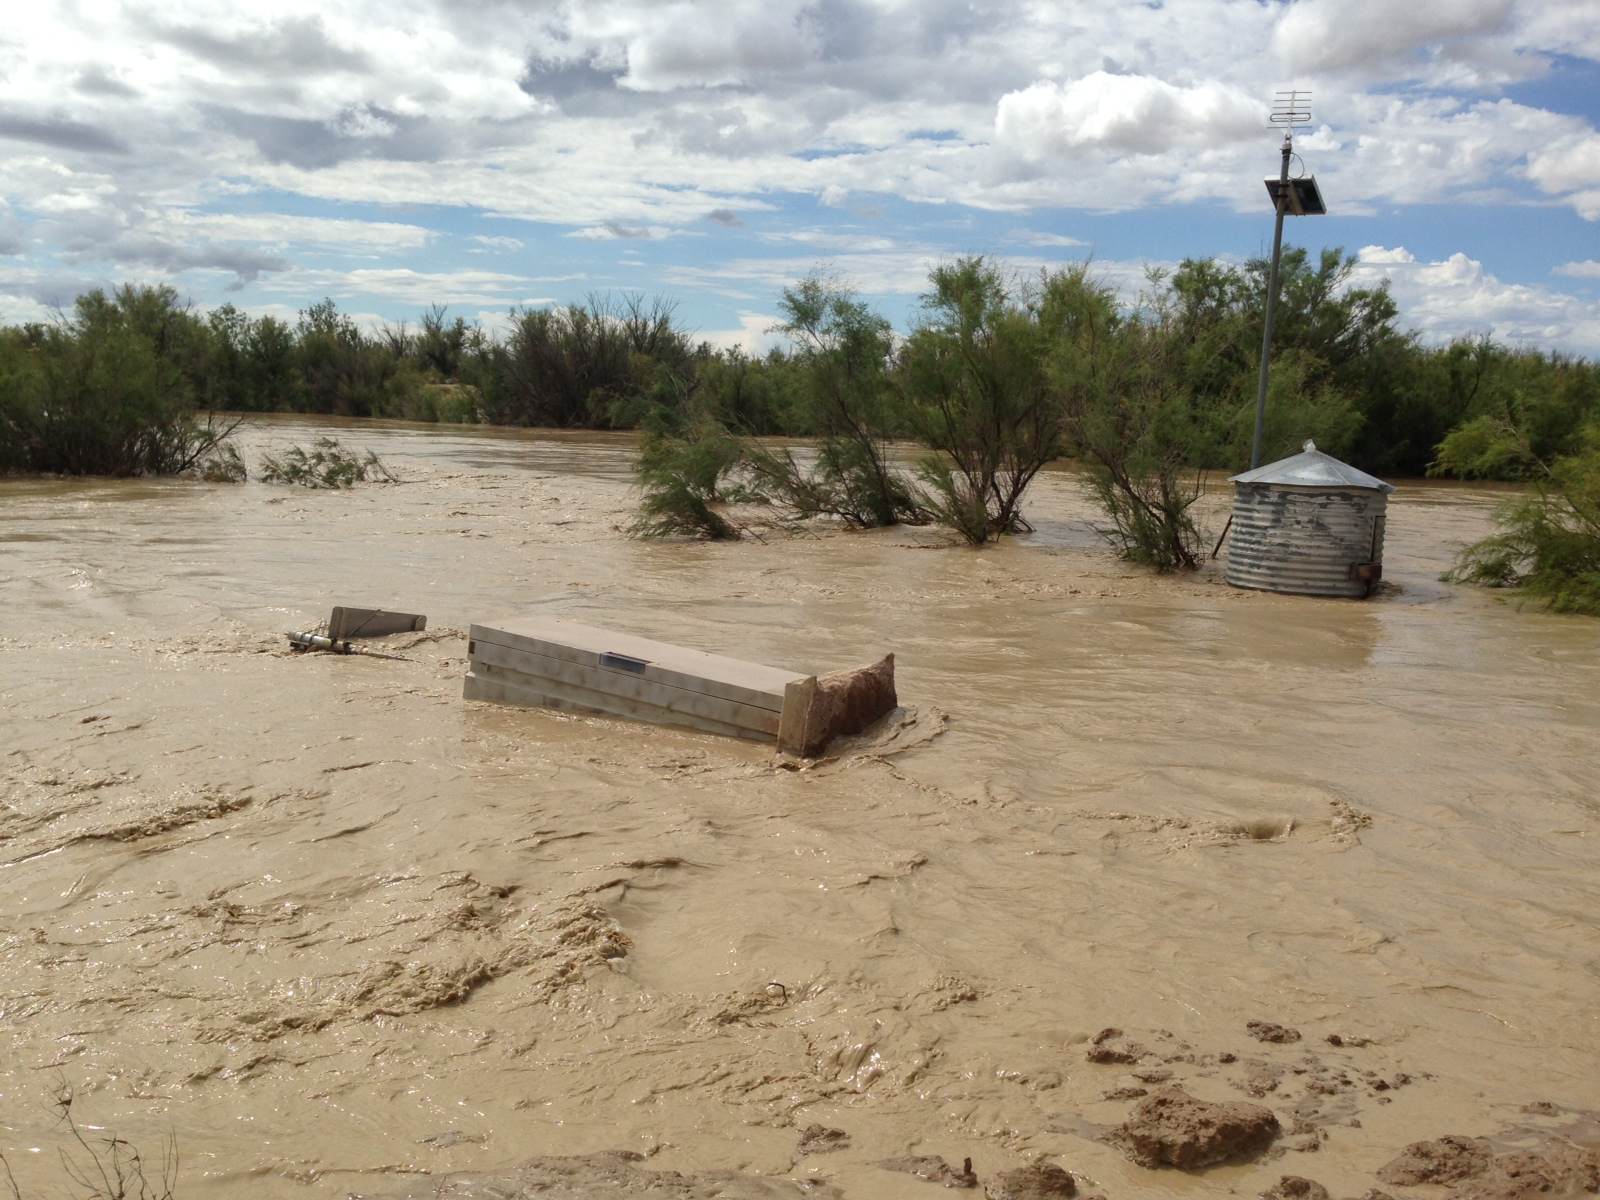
{"x":682,"y":477}
{"x":105,"y":391}
{"x":977,"y":392}
{"x":326,"y":465}
{"x":1487,"y":447}
{"x":843,"y":350}
{"x":845,"y":480}
{"x":224,"y":464}
{"x":1127,"y":419}
{"x":1548,"y":544}
{"x":106,"y":1167}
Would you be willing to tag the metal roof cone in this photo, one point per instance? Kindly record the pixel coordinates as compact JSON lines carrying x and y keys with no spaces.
{"x":1311,"y":468}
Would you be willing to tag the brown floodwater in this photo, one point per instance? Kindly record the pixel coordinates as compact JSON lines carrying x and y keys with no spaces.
{"x":332,"y":928}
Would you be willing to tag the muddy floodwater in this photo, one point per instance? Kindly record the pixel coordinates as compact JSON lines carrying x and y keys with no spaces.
{"x":340,"y":933}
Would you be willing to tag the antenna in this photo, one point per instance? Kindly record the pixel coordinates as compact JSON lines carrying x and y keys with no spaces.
{"x":1290,"y":110}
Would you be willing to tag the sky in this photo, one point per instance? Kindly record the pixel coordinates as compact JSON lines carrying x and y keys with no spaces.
{"x":488,"y":155}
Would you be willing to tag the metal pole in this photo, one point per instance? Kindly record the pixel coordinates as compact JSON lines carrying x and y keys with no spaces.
{"x":1272,"y":303}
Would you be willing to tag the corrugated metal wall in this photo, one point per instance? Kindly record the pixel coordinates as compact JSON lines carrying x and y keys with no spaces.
{"x":1304,"y":540}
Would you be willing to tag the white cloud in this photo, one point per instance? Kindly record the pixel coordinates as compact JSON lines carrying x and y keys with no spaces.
{"x":1135,"y":114}
{"x":895,"y":273}
{"x":619,"y":231}
{"x":497,"y":244}
{"x":1332,"y":35}
{"x":1034,"y":238}
{"x":279,"y":229}
{"x":1456,"y":297}
{"x":401,"y":283}
{"x":1588,"y":269}
{"x":1570,"y":164}
{"x":128,"y":132}
{"x":754,"y":335}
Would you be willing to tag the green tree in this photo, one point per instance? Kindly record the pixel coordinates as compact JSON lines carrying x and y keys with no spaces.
{"x":978,"y":394}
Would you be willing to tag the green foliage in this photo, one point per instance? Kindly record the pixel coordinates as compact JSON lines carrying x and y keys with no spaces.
{"x":326,"y":465}
{"x":1128,"y":417}
{"x":978,"y":395}
{"x":583,"y":365}
{"x":223,"y":464}
{"x":105,"y":391}
{"x":841,"y":350}
{"x":114,"y":387}
{"x":1548,"y":543}
{"x":682,"y":474}
{"x":839,"y":479}
{"x":1486,"y":447}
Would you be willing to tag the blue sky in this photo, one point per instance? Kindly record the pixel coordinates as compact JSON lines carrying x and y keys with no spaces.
{"x":484,"y":155}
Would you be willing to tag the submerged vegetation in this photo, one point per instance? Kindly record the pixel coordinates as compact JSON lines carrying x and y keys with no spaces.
{"x":105,"y":1167}
{"x":326,"y":465}
{"x":1548,"y":542}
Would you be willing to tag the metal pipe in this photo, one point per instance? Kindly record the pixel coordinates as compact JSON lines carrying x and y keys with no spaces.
{"x":315,"y":641}
{"x":1272,"y":303}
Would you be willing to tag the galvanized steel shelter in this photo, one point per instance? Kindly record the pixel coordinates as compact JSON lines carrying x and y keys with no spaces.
{"x":1308,"y":524}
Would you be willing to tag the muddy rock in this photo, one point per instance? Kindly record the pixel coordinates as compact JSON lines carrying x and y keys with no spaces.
{"x":1270,"y":1031}
{"x":1293,"y":1187}
{"x":1443,"y":1160}
{"x":1111,"y":1045}
{"x":934,"y":1169}
{"x":1039,"y":1180}
{"x":819,"y":1139}
{"x":818,"y":709}
{"x":1554,"y":1170}
{"x":1260,"y":1078}
{"x":1171,"y":1128}
{"x":1126,"y":1093}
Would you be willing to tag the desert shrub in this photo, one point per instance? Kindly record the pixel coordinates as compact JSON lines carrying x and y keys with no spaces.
{"x":1128,"y":418}
{"x":326,"y":465}
{"x":841,"y":480}
{"x":978,"y":395}
{"x":841,"y":351}
{"x":1548,"y":543}
{"x":104,"y":391}
{"x":1486,"y":447}
{"x":223,"y":464}
{"x":681,"y":475}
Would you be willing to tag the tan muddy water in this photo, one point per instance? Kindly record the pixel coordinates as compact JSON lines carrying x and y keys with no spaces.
{"x":340,"y":933}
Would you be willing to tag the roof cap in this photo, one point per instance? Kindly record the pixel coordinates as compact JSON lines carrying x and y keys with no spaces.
{"x":1312,"y":468}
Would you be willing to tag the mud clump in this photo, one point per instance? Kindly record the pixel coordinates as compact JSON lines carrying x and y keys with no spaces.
{"x":819,"y":1139}
{"x":1111,"y":1045}
{"x":1557,"y":1169}
{"x":1443,"y":1160}
{"x":836,"y":705}
{"x":1173,"y":1129}
{"x":1294,"y":1187}
{"x":1038,"y":1180}
{"x":1126,"y":1093}
{"x":1271,"y":1031}
{"x":933,"y":1169}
